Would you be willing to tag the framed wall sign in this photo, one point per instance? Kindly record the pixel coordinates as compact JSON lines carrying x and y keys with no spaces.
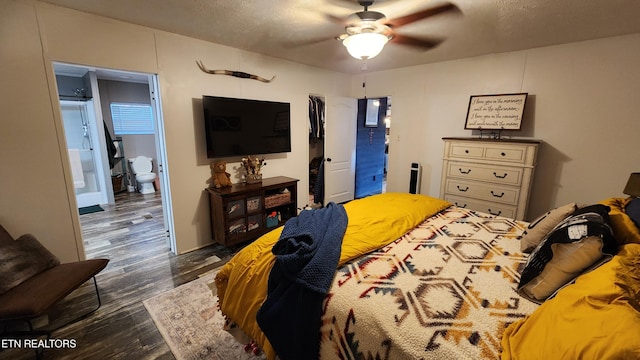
{"x":495,"y":112}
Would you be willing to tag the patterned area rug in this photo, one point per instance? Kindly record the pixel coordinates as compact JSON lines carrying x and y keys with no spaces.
{"x":191,"y":325}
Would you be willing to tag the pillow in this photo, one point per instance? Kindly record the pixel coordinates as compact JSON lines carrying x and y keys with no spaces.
{"x":583,"y":240}
{"x":21,"y":259}
{"x":624,"y":229}
{"x":568,"y":260}
{"x":633,"y":210}
{"x":540,"y":227}
{"x":594,"y":318}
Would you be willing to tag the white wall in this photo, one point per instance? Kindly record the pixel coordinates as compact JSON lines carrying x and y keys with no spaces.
{"x":183,"y":85}
{"x":33,"y":188}
{"x":582,"y":105}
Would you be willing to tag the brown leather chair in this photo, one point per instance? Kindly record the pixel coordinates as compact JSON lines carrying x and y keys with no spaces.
{"x":37,"y":294}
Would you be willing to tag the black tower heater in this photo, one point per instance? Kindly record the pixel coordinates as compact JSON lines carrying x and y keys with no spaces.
{"x":414,"y":182}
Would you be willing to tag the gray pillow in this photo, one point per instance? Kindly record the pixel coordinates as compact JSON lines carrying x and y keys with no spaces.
{"x":21,"y":259}
{"x":539,"y":228}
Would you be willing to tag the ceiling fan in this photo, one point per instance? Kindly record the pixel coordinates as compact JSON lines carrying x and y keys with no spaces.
{"x":367,"y":32}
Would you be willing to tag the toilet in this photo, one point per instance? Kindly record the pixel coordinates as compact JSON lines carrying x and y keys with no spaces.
{"x":141,"y":167}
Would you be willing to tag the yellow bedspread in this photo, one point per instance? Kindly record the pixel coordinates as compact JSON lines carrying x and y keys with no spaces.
{"x":373,"y":222}
{"x":597,"y":317}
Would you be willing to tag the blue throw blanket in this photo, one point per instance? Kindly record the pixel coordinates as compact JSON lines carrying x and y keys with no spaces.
{"x":307,"y":256}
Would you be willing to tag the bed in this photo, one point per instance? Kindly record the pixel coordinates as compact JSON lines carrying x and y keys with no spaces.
{"x":419,"y":278}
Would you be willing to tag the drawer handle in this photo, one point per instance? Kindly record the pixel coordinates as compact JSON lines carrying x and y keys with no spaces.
{"x":503,"y":154}
{"x":498,"y":176}
{"x":463,"y":190}
{"x":462,"y":206}
{"x":495,"y":214}
{"x":496,"y":195}
{"x":465,"y":172}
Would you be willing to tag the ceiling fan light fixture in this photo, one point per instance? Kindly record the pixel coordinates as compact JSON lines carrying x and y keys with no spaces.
{"x":365,"y":45}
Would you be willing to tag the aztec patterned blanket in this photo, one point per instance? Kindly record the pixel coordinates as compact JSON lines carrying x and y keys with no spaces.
{"x":445,"y":290}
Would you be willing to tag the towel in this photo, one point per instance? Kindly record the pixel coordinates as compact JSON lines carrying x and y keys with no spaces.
{"x":112,"y":150}
{"x":307,"y":256}
{"x":76,"y":168}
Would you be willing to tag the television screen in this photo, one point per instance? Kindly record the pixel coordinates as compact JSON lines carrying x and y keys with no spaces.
{"x":240,"y":127}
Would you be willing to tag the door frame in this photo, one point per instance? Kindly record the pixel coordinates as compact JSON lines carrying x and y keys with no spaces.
{"x":161,"y":154}
{"x":160,"y":139}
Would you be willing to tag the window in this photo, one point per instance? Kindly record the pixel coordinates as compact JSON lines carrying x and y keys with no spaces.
{"x":132,"y":119}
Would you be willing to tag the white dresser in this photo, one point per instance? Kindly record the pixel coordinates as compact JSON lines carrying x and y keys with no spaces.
{"x":492,"y":176}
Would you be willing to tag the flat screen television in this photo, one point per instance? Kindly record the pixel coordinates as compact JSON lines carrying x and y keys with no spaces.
{"x":240,"y":127}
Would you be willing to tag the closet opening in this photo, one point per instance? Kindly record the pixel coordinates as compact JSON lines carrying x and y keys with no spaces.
{"x":316,"y":150}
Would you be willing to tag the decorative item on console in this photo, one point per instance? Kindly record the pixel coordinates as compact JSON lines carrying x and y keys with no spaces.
{"x":219,"y":174}
{"x":252,"y":168}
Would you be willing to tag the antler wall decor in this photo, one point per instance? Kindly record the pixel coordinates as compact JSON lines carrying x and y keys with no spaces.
{"x":239,"y":74}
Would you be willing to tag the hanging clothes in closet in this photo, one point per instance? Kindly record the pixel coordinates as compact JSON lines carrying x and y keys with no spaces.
{"x":316,"y":117}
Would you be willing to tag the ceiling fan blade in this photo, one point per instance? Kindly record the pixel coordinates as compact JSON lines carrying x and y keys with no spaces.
{"x":423,"y":43}
{"x":337,"y":19}
{"x":408,"y":19}
{"x":306,"y":42}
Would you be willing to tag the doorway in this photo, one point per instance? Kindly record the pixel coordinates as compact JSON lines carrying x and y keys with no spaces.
{"x":112,"y":150}
{"x":316,"y":150}
{"x":332,"y":151}
{"x":372,"y":145}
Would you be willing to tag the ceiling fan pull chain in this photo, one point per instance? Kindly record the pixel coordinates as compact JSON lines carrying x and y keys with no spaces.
{"x":364,"y":86}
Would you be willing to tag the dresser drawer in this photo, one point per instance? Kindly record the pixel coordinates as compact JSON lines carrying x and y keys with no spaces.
{"x":506,"y":153}
{"x":484,"y":206}
{"x":489,"y":192}
{"x":490,"y":173}
{"x":464,"y":150}
{"x":489,"y":151}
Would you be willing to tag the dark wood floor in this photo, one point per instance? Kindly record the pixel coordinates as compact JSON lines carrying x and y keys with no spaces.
{"x":131,"y":234}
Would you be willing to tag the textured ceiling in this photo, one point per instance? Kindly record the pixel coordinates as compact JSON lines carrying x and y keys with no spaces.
{"x":299,"y":30}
